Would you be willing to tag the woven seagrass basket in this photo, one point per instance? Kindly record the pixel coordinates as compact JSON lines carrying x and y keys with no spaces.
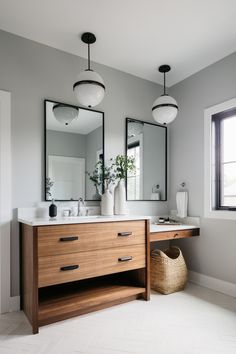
{"x":168,"y":270}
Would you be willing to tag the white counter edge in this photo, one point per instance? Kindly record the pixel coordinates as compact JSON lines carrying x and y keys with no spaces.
{"x":80,"y":220}
{"x":165,"y":228}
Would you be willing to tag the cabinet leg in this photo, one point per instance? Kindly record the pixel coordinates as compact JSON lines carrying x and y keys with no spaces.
{"x":146,"y":295}
{"x":35,"y":329}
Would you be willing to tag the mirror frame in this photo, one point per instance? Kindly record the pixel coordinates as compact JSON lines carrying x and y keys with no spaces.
{"x":128,"y":119}
{"x":45,"y":145}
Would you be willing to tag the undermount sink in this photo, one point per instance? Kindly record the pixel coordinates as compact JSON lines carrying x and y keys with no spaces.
{"x":83,"y":217}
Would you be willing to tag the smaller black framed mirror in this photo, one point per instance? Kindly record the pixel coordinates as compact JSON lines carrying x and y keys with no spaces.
{"x":146,"y":143}
{"x":74,"y":143}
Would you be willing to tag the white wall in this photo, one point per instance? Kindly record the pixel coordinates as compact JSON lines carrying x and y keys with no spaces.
{"x":213,"y":253}
{"x":33,"y":72}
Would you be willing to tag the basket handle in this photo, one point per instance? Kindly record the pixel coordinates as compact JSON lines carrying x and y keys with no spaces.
{"x":159,"y":252}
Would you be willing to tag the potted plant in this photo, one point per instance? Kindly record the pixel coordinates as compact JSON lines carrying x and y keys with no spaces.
{"x":104,"y":174}
{"x":49,"y":185}
{"x":123,"y":165}
{"x":109,"y":177}
{"x":96,"y":177}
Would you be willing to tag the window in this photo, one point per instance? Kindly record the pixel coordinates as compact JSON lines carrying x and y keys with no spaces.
{"x":224,"y":159}
{"x":220,"y":161}
{"x":134,"y":177}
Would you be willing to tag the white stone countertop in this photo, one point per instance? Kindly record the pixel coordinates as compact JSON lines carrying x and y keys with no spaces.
{"x":34,"y":221}
{"x":166,"y":227}
{"x":79,"y":219}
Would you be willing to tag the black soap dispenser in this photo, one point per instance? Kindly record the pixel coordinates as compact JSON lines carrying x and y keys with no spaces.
{"x":53,"y":210}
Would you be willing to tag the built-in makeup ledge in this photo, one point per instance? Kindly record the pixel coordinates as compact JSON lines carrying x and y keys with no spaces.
{"x":171,"y":232}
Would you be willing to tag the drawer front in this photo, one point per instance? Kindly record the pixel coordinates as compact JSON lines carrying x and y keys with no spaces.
{"x":61,"y":239}
{"x":171,"y":235}
{"x":76,"y":266}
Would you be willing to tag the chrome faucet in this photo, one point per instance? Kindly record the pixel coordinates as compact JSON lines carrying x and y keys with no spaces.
{"x":80,"y":204}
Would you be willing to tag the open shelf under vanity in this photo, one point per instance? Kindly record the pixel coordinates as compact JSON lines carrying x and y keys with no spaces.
{"x":63,"y":301}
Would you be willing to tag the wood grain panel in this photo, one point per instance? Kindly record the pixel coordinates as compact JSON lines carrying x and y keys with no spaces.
{"x":85,"y":301}
{"x":29,"y":269}
{"x":172,"y":235}
{"x":147,"y":282}
{"x":91,"y":264}
{"x":92,"y":236}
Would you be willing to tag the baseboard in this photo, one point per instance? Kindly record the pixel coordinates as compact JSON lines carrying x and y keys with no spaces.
{"x":14,"y":303}
{"x":212,"y":283}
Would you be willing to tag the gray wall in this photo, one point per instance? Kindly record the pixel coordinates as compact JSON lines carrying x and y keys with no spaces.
{"x":65,"y":144}
{"x":213,"y":253}
{"x":33,"y":72}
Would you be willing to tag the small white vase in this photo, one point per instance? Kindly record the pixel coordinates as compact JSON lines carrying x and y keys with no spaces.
{"x":97,"y":195}
{"x":120,"y":199}
{"x":107,"y":204}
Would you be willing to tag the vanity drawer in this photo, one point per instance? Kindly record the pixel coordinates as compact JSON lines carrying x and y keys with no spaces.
{"x":76,"y":266}
{"x":62,"y":239}
{"x":172,"y":235}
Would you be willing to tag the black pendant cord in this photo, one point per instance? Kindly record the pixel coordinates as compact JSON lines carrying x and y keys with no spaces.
{"x":164,"y":69}
{"x":88,"y":38}
{"x":89,"y":57}
{"x":164,"y":83}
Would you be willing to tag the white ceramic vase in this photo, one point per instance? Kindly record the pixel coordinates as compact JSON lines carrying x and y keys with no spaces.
{"x":120,"y":199}
{"x":107,"y":203}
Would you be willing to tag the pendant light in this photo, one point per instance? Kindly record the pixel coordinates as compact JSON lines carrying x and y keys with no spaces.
{"x":89,"y":88}
{"x":165,"y":108}
{"x":64,"y":114}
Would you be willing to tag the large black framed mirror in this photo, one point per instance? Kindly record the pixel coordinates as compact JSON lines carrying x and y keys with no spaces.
{"x":147,"y":144}
{"x":74,"y":143}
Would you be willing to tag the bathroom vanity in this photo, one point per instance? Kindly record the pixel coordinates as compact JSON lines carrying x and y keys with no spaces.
{"x":72,"y":266}
{"x":81,"y":265}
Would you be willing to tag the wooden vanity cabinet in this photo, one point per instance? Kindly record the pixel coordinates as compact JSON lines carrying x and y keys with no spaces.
{"x":68,"y":270}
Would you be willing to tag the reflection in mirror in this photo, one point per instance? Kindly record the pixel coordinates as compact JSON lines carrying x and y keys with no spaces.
{"x":74,"y":139}
{"x":146,"y":143}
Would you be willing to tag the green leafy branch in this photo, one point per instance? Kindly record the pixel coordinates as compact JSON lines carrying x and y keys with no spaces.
{"x":124,"y":164}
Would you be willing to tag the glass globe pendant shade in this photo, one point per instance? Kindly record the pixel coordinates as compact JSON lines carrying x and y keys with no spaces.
{"x":164,"y":109}
{"x":65,"y":114}
{"x":89,"y":88}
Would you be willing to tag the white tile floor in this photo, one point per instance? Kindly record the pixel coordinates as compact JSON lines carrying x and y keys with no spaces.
{"x":195,"y":321}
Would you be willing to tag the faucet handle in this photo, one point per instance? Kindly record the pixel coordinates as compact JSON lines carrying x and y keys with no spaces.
{"x":81,"y":200}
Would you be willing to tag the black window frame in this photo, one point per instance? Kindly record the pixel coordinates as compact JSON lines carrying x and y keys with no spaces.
{"x":217,"y":121}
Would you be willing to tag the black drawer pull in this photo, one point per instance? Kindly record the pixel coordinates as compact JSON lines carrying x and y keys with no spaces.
{"x":125,"y":233}
{"x":71,"y":267}
{"x":70,"y":238}
{"x":125,"y":259}
{"x":175,"y":235}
